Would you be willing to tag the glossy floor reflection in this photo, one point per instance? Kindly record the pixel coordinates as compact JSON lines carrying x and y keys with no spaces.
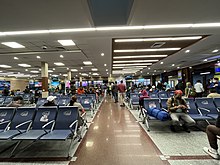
{"x":116,"y":138}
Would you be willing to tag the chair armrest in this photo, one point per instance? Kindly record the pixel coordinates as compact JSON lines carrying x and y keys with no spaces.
{"x":83,"y":114}
{"x":24,"y":123}
{"x":4,"y":122}
{"x":45,"y":125}
{"x":71,"y":125}
{"x":163,"y":109}
{"x":203,"y":109}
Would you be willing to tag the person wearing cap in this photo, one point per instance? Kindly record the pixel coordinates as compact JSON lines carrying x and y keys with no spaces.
{"x":50,"y":101}
{"x":177,"y":109}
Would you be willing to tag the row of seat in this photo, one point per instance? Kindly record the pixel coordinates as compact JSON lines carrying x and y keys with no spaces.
{"x":199,"y":109}
{"x":43,"y":123}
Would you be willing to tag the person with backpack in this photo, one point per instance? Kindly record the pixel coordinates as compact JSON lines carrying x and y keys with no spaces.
{"x":177,"y":109}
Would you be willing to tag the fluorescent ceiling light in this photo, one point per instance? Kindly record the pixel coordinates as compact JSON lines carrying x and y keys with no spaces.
{"x":205,"y":60}
{"x":165,"y":26}
{"x":67,"y":42}
{"x":55,"y":75}
{"x":204,"y":73}
{"x":59,"y":64}
{"x":38,"y":57}
{"x":87,"y":62}
{"x":161,"y":62}
{"x":16,"y":58}
{"x":74,"y":70}
{"x":34,"y":71}
{"x":61,"y":56}
{"x":173,"y":64}
{"x":84,"y":74}
{"x":50,"y":71}
{"x":159,"y":39}
{"x":95,"y":74}
{"x":5,"y":66}
{"x":215,"y":51}
{"x":139,"y":56}
{"x":132,"y":64}
{"x":133,"y":61}
{"x":13,"y":44}
{"x":24,"y":65}
{"x":65,"y":75}
{"x":147,"y":50}
{"x":94,"y":69}
{"x":129,"y":67}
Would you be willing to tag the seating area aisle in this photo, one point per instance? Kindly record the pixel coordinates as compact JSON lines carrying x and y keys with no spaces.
{"x":116,"y":138}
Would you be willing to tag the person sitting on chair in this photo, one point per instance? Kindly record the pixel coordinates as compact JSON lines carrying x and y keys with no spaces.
{"x":50,"y":101}
{"x":212,"y":132}
{"x":144,"y":95}
{"x":177,"y":109}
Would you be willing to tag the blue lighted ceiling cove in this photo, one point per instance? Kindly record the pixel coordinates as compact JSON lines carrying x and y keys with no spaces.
{"x":110,"y":12}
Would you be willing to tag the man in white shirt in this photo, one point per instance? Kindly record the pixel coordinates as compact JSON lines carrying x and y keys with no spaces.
{"x":199,"y":88}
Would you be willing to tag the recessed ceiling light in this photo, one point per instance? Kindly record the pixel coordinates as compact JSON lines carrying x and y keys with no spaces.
{"x":54,"y":69}
{"x":34,"y":71}
{"x":61,"y":56}
{"x":153,"y":73}
{"x":178,"y":67}
{"x":205,"y":60}
{"x":59,"y":64}
{"x":173,"y":64}
{"x":16,"y":58}
{"x":74,"y":70}
{"x":159,"y":39}
{"x":87,"y":62}
{"x":187,"y":51}
{"x":106,"y":70}
{"x":60,"y":74}
{"x":164,"y":71}
{"x":139,"y":56}
{"x":81,"y":68}
{"x":94,"y":69}
{"x":148,"y":73}
{"x":67,"y":42}
{"x":102,"y":54}
{"x":190,"y":67}
{"x":26,"y":70}
{"x":67,"y":68}
{"x":147,"y":50}
{"x":39,"y":69}
{"x":105,"y":64}
{"x":24,"y":65}
{"x":155,"y":70}
{"x":38,"y":57}
{"x":13,"y":44}
{"x":149,"y":68}
{"x":141,"y":72}
{"x":161,"y":62}
{"x":215,"y":51}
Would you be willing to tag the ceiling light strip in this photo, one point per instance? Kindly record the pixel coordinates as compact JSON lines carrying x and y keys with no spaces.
{"x":147,"y":50}
{"x":159,"y":39}
{"x":139,"y":56}
{"x":133,"y":61}
{"x":171,"y":26}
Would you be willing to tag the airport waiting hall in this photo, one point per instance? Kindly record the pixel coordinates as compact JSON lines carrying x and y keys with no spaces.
{"x":47,"y":45}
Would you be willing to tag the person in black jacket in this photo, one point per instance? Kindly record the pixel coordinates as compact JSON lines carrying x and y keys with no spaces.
{"x":212,"y":132}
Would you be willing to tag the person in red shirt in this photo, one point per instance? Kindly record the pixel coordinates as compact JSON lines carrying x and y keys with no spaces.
{"x":121,"y":89}
{"x":80,"y":90}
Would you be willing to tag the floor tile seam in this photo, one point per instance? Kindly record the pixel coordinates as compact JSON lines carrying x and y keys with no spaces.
{"x":158,"y":152}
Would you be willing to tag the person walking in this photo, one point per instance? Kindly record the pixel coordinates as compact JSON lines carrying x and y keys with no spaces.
{"x":121,"y":89}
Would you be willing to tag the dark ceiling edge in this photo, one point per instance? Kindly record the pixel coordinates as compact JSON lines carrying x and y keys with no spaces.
{"x":87,"y":9}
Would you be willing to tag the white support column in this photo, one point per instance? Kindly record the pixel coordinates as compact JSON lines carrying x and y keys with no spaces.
{"x":44,"y":76}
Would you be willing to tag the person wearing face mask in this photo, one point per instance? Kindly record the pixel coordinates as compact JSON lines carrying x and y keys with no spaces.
{"x":177,"y":109}
{"x":215,"y":84}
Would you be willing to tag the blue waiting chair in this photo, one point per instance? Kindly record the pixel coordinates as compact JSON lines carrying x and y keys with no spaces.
{"x":6,"y":115}
{"x":217,"y":102}
{"x":63,"y":101}
{"x":20,"y":123}
{"x":87,"y":104}
{"x":163,"y":103}
{"x":41,"y":101}
{"x":153,"y":95}
{"x":207,"y":107}
{"x":162,"y":94}
{"x":2,"y":99}
{"x":8,"y":100}
{"x":194,"y":112}
{"x":65,"y":125}
{"x":134,"y":100}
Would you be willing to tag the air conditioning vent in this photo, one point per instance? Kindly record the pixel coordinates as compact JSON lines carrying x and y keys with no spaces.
{"x":158,"y":44}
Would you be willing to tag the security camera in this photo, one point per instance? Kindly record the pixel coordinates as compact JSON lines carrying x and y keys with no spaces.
{"x":44,"y":47}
